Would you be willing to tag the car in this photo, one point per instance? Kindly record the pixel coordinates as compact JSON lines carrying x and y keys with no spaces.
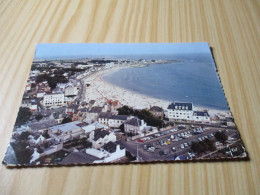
{"x":157,"y":135}
{"x":200,"y":139}
{"x":185,"y":144}
{"x":161,"y":152}
{"x":140,"y":140}
{"x":165,"y":152}
{"x":173,"y":149}
{"x":145,"y":147}
{"x":172,"y":130}
{"x":182,"y":146}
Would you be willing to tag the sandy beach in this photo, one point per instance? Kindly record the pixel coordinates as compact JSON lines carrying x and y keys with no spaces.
{"x":101,"y":91}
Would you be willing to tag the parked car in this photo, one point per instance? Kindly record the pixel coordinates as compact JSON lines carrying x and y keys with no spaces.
{"x":173,"y":149}
{"x":182,"y":146}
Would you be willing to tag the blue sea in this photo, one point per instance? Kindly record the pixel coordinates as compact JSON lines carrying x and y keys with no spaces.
{"x":191,"y":80}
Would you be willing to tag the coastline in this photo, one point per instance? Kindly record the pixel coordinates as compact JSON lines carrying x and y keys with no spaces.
{"x":101,"y":91}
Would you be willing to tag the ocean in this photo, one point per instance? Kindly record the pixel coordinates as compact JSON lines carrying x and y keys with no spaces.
{"x":187,"y":81}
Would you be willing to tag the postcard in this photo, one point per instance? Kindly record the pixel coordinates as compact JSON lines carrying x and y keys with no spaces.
{"x":87,"y":104}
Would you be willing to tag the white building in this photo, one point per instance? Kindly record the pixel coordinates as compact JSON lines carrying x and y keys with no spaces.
{"x":93,"y":126}
{"x":113,"y":121}
{"x":40,"y":94}
{"x":53,"y":99}
{"x":135,"y":126}
{"x":99,"y":137}
{"x":66,"y":131}
{"x":201,"y":116}
{"x":180,"y":111}
{"x":71,"y":91}
{"x":113,"y":156}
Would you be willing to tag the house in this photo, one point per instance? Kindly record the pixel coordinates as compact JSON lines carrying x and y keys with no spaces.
{"x":53,"y":99}
{"x":72,"y":108}
{"x":91,"y":127}
{"x":157,"y":111}
{"x":99,"y":137}
{"x":66,"y":131}
{"x":111,"y":120}
{"x":91,"y":103}
{"x":71,"y":91}
{"x":201,"y":116}
{"x":58,"y":116}
{"x":40,"y":94}
{"x":42,"y":125}
{"x":134,"y":126}
{"x":114,"y":153}
{"x":93,"y":113}
{"x":180,"y":111}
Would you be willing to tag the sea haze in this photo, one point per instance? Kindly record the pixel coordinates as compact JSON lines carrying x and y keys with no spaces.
{"x":187,"y":81}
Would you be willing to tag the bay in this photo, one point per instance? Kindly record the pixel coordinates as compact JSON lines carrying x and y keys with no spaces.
{"x":186,"y":81}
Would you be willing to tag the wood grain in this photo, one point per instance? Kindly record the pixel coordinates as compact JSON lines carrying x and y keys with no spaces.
{"x":230,"y":26}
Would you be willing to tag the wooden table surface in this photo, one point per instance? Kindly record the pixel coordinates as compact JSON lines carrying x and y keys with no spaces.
{"x":230,"y":26}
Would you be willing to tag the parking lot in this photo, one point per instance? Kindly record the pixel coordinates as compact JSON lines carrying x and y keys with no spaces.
{"x":168,"y":144}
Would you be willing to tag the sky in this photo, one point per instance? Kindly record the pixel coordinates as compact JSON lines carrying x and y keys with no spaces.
{"x":84,"y":50}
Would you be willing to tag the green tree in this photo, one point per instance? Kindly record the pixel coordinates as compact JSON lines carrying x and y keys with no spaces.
{"x":22,"y":152}
{"x":38,"y":117}
{"x":125,"y":110}
{"x":122,"y":128}
{"x":23,"y":116}
{"x":66,"y":120}
{"x":221,"y":136}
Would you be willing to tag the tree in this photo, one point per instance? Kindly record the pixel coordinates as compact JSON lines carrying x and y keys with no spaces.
{"x":24,"y":135}
{"x":23,"y":116}
{"x":45,"y":134}
{"x":122,"y":128}
{"x":38,"y":117}
{"x":221,"y":136}
{"x":33,"y":85}
{"x":42,"y":77}
{"x":66,"y":120}
{"x":203,"y":146}
{"x":22,"y":152}
{"x":125,"y":110}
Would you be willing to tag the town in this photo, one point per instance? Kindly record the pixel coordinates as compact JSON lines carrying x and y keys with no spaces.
{"x":57,"y":124}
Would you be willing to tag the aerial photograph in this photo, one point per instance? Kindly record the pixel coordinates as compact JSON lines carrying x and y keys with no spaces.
{"x":93,"y":103}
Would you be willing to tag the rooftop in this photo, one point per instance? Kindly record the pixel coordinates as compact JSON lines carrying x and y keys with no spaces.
{"x":200,"y":113}
{"x":180,"y":106}
{"x":108,"y":115}
{"x":67,"y":126}
{"x":42,"y":124}
{"x":99,"y":133}
{"x":134,"y":122}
